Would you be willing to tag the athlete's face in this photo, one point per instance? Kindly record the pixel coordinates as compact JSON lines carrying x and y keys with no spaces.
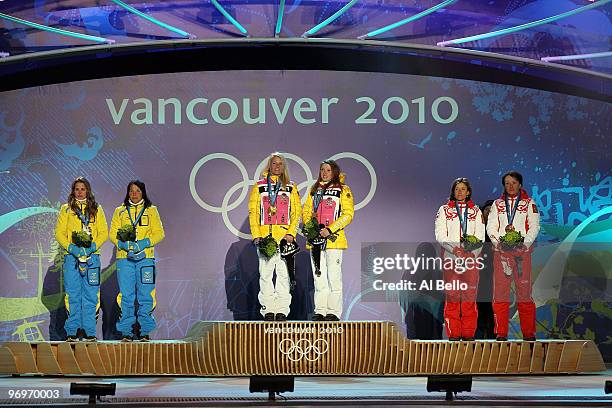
{"x":135,"y":194}
{"x":511,"y":185}
{"x":326,"y":172}
{"x":277,"y":165}
{"x":80,"y":191}
{"x":461,"y":191}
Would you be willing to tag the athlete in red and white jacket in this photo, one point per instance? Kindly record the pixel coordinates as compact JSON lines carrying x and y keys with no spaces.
{"x":514,"y":210}
{"x":455,"y":220}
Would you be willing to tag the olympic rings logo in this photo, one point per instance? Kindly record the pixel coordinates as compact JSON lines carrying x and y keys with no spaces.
{"x":247,"y":182}
{"x":303,"y":348}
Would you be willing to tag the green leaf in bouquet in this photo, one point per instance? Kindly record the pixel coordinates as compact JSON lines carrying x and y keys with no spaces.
{"x":470,"y":242}
{"x":267,"y":246}
{"x":81,"y":239}
{"x":311,"y":229}
{"x":126,"y":233}
{"x":511,"y":240}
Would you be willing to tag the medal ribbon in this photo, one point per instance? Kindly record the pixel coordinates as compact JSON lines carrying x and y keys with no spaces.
{"x":273,"y":194}
{"x":462,"y":220}
{"x":510,"y":211}
{"x":84,"y":220}
{"x":317,"y":198}
{"x":138,"y":217}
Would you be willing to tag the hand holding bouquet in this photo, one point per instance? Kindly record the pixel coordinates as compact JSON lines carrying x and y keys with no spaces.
{"x":126,"y":233}
{"x":312,"y":231}
{"x":512,"y":241}
{"x":81,"y":239}
{"x":470,"y":243}
{"x":267,"y":246}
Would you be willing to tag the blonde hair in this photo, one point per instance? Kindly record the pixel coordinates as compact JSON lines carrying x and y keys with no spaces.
{"x":284,"y":176}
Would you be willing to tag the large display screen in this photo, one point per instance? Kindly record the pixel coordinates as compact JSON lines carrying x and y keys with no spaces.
{"x":199,"y":140}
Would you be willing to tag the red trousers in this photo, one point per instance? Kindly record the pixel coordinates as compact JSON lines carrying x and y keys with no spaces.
{"x":501,"y":292}
{"x":460,"y":311}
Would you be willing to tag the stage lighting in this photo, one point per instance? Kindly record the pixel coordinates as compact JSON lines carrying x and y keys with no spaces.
{"x":608,"y":387}
{"x":449,"y":384}
{"x":94,"y":390}
{"x":271,"y":384}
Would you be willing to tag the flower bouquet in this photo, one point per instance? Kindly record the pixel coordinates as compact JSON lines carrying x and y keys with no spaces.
{"x":126,"y":233}
{"x":267,"y":246}
{"x":312,"y":231}
{"x":83,"y":240}
{"x":511,"y":241}
{"x":470,"y":243}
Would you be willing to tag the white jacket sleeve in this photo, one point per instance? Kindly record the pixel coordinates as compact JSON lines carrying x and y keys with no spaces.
{"x":493,"y":225}
{"x":441,"y":230}
{"x":479,"y":229}
{"x":533,"y":220}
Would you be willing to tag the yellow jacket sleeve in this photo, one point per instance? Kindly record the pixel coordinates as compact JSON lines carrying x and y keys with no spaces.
{"x":296,"y":211}
{"x":254,"y":212}
{"x":61,"y":227}
{"x":115,"y":225}
{"x":157,"y":228}
{"x":347,"y":212}
{"x":307,"y":210}
{"x":101,"y":228}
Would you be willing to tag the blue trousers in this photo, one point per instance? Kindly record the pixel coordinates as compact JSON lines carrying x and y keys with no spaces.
{"x":82,"y":286}
{"x":136,"y":282}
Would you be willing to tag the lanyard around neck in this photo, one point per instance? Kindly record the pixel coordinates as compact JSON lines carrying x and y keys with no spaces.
{"x":132,"y":221}
{"x":273,"y":194}
{"x":511,"y":211}
{"x":462,"y":220}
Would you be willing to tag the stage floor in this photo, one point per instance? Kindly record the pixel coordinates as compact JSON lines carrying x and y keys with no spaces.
{"x":558,"y":390}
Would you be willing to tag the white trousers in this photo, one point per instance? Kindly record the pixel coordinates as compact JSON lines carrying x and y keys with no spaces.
{"x":273,"y":298}
{"x":328,"y":286}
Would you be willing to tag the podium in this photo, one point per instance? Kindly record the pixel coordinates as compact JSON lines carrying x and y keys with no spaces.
{"x":296,"y":348}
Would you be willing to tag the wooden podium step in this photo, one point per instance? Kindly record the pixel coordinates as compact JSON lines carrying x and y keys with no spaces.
{"x":299,"y":348}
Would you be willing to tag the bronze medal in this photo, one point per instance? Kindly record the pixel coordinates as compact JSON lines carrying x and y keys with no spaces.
{"x":509,"y":227}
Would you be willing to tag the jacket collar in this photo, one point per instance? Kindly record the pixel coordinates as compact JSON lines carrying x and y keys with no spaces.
{"x":470,"y":203}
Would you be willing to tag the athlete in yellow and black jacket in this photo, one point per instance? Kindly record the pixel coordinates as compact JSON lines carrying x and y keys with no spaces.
{"x":274,"y":209}
{"x":330,"y":201}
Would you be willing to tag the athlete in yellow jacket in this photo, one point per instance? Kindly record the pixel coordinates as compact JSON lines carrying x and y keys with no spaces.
{"x":274,"y":208}
{"x":136,"y":271}
{"x":330,"y":201}
{"x":81,"y":268}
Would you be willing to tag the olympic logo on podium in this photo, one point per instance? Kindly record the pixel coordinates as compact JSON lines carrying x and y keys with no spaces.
{"x":247,"y":182}
{"x":303,"y":348}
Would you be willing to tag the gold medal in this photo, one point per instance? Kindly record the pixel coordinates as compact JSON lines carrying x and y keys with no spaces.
{"x":271,"y":210}
{"x":509,"y":227}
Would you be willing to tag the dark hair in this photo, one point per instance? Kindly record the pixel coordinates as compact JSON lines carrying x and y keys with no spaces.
{"x":92,"y":205}
{"x":335,"y":180}
{"x":486,"y":204}
{"x":465,"y":181}
{"x":143,"y":189}
{"x":514,"y":174}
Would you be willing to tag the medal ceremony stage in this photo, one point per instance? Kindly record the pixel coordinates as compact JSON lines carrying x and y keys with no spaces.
{"x":220,"y":362}
{"x":225,"y":109}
